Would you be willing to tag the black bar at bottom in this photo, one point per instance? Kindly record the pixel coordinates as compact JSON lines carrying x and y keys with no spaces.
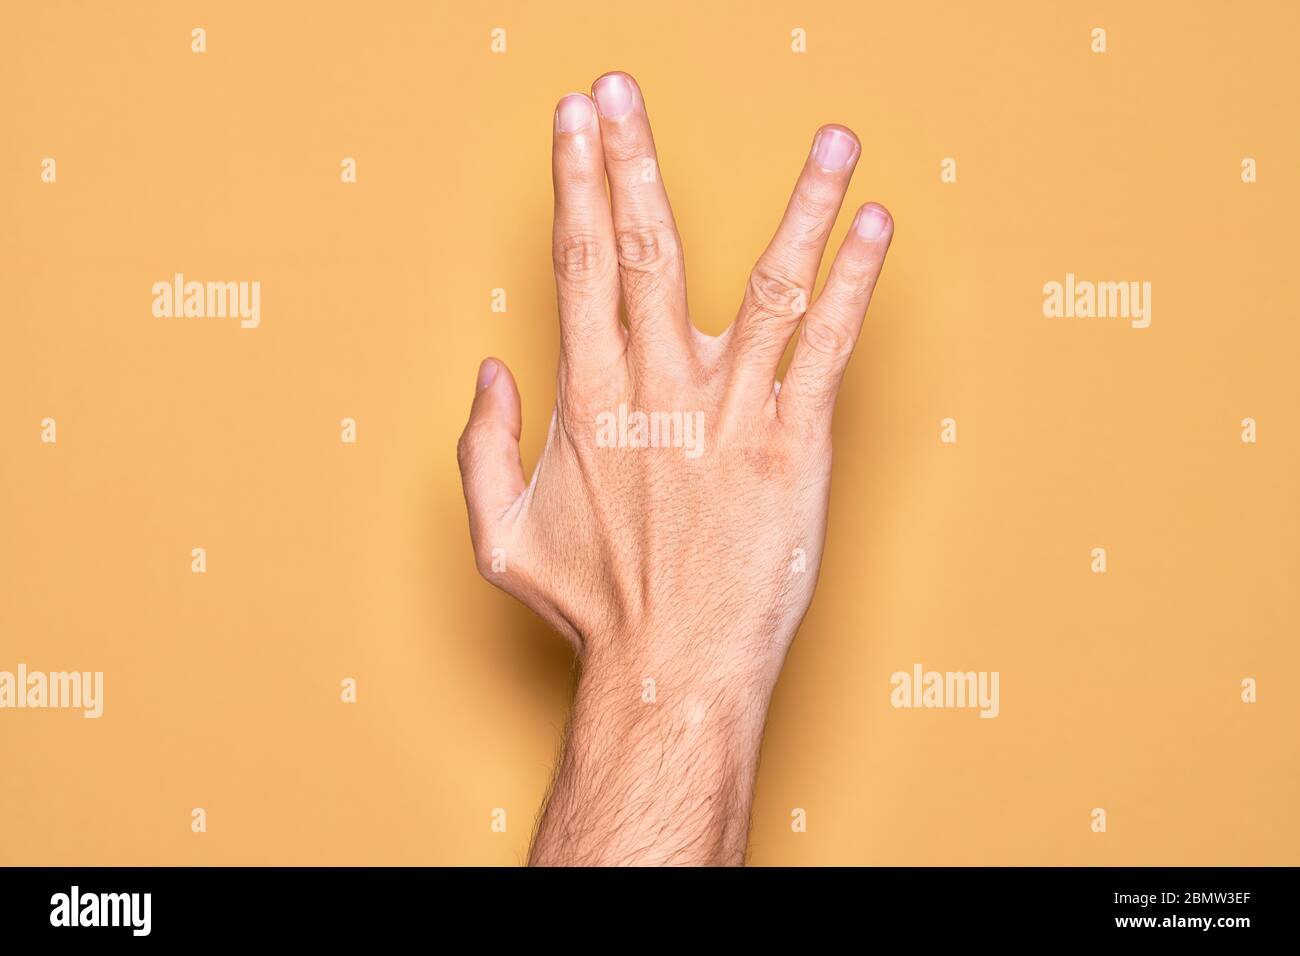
{"x":333,"y":905}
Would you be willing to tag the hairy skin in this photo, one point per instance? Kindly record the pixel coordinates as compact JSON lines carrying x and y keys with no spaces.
{"x":678,"y":579}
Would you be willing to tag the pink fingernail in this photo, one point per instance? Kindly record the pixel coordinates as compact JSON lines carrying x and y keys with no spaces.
{"x":486,"y":373}
{"x":834,"y":149}
{"x":613,"y":95}
{"x":872,"y":222}
{"x":573,"y":113}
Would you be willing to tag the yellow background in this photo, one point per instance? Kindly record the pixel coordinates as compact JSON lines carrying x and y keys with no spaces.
{"x":328,"y":560}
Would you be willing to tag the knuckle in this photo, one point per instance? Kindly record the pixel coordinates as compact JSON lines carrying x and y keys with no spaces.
{"x":773,"y":292}
{"x":856,"y":277}
{"x":468,"y":445}
{"x":828,"y":337}
{"x":463,"y":450}
{"x":647,"y":248}
{"x":649,"y":260}
{"x":814,"y":215}
{"x":577,"y":170}
{"x":624,"y":146}
{"x":579,"y":258}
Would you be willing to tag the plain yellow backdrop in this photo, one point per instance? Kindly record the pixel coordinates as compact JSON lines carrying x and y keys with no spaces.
{"x":329,"y":560}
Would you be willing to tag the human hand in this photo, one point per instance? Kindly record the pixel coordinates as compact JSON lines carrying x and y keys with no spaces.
{"x":682,"y":548}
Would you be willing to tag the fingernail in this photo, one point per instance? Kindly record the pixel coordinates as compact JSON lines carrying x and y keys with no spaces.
{"x":573,"y":113}
{"x":872,"y":222}
{"x":486,"y":373}
{"x":834,"y":149}
{"x":613,"y":95}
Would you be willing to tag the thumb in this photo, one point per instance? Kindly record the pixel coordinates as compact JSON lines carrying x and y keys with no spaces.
{"x":491,"y":471}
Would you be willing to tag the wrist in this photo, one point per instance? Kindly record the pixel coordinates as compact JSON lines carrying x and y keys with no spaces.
{"x":735,"y":668}
{"x":675,"y":693}
{"x":660,"y":761}
{"x":664,"y":687}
